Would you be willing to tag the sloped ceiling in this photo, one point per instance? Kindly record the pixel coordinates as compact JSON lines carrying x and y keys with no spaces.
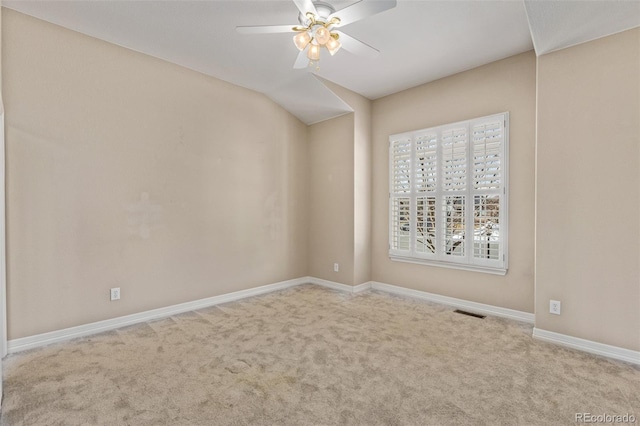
{"x":419,"y":41}
{"x":557,"y":25}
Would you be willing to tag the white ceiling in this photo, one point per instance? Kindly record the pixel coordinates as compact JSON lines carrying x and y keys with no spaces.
{"x":419,"y":40}
{"x":556,"y":25}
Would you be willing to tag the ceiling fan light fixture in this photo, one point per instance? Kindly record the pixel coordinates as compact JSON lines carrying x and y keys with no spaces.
{"x":301,"y":40}
{"x":322,"y":35}
{"x":314,"y":52}
{"x":317,"y":28}
{"x":333,"y":45}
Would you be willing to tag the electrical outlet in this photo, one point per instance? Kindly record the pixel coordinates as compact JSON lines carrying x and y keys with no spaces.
{"x":115,"y":293}
{"x":554,"y":307}
{"x":336,"y":267}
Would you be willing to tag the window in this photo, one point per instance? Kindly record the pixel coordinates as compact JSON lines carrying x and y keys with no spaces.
{"x":448,"y":195}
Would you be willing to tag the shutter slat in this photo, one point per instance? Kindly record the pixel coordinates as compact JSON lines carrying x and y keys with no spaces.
{"x":400,"y":220}
{"x":487,"y":149}
{"x":454,"y":159}
{"x":426,"y":225}
{"x":453,"y":217}
{"x":426,"y":162}
{"x":401,"y":151}
{"x":486,"y":227}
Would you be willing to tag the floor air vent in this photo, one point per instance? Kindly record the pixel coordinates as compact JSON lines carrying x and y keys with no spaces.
{"x":471,"y":314}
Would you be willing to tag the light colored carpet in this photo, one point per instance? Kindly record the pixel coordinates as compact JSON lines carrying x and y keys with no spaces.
{"x":313,"y":356}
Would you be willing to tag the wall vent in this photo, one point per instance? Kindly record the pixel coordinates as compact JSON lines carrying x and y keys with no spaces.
{"x":471,"y":314}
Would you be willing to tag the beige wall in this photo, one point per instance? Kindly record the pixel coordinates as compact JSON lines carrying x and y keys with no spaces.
{"x":1,"y":105}
{"x":340,"y":188}
{"x":331,"y":226}
{"x":588,"y":185}
{"x":506,"y":85}
{"x":362,"y":185}
{"x":3,"y":273}
{"x":91,"y":127}
{"x":361,"y":181}
{"x":242,"y":194}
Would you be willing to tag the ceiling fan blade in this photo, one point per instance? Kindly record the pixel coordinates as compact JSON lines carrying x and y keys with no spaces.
{"x":265,"y":29}
{"x":361,"y":10}
{"x":305,"y":6}
{"x":301,"y":61}
{"x":357,"y":47}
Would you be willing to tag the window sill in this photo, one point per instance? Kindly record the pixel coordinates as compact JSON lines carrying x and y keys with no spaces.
{"x":463,"y":267}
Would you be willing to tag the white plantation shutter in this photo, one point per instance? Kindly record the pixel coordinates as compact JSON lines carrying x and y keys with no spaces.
{"x":487,"y":155}
{"x":486,"y":241}
{"x":426,"y":162}
{"x":488,"y":152}
{"x":400,"y":154}
{"x":453,"y":223}
{"x":448,"y":195}
{"x":400,"y":230}
{"x":454,"y":159}
{"x":401,"y":157}
{"x":426,"y":225}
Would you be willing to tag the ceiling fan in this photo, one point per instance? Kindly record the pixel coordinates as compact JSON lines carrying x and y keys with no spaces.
{"x":318,"y":23}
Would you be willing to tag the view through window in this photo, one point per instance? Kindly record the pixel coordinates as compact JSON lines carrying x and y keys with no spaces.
{"x":448,"y":195}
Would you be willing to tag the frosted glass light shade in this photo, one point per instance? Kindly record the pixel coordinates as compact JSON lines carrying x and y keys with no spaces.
{"x":301,"y":40}
{"x":333,"y":45}
{"x":322,"y":36}
{"x":314,"y":52}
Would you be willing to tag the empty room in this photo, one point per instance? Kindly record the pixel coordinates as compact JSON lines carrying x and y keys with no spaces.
{"x":296,"y":212}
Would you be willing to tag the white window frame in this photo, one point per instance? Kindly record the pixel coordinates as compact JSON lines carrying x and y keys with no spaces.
{"x":466,"y":261}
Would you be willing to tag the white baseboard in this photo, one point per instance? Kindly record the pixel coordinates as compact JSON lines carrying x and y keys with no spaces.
{"x":609,"y":351}
{"x":24,"y":343}
{"x":342,"y":287}
{"x":30,"y":342}
{"x":362,"y":287}
{"x":480,"y":308}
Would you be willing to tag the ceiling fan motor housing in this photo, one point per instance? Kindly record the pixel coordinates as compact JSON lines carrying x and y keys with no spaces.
{"x":324,"y":11}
